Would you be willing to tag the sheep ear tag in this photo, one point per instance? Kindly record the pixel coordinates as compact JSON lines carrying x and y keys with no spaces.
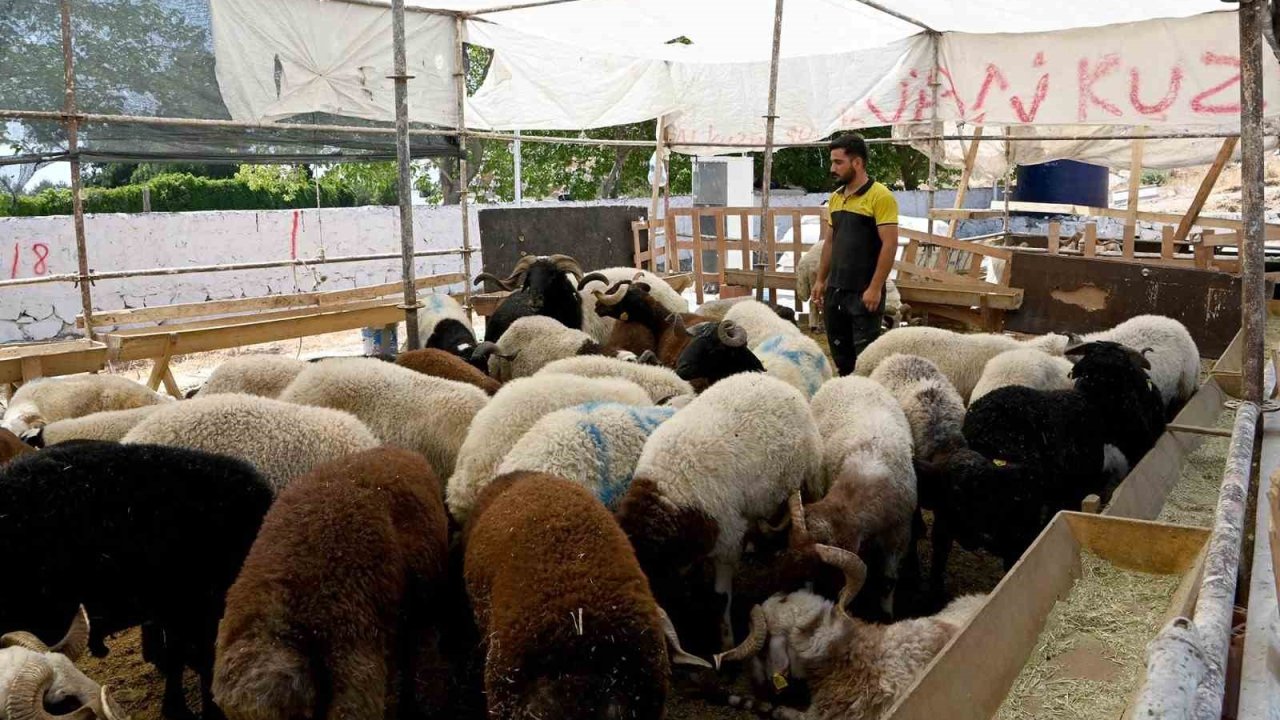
{"x":999,"y":463}
{"x":624,"y":316}
{"x":780,"y":682}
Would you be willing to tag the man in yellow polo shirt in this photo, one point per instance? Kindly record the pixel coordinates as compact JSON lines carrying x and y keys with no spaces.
{"x":861,"y":238}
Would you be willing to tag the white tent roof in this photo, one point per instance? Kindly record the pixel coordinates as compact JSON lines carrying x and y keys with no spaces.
{"x":1166,"y":65}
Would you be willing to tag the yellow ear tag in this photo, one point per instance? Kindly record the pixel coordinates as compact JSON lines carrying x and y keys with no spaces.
{"x":623,"y":318}
{"x":779,"y":682}
{"x":999,"y":463}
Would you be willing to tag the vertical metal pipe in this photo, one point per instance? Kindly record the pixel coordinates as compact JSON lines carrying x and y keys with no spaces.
{"x":766,"y":226}
{"x":934,"y":145}
{"x":1252,"y":282}
{"x":519,"y":174}
{"x":460,"y":86}
{"x":73,"y":149}
{"x":404,"y":185}
{"x":1008,"y":173}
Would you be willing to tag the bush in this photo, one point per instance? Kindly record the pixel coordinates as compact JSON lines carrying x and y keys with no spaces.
{"x":1155,"y":177}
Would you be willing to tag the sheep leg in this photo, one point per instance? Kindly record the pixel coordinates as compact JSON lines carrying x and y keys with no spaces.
{"x":174,"y":705}
{"x":898,"y":547}
{"x":941,"y":538}
{"x":724,"y":586}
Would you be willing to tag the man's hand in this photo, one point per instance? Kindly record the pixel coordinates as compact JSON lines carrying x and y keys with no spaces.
{"x":818,"y":295}
{"x":871,"y":298}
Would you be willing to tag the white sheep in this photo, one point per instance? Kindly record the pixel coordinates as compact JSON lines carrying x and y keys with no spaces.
{"x":1174,"y":357}
{"x":855,"y":669}
{"x":112,"y":425}
{"x":930,"y":404}
{"x":280,"y":439}
{"x":33,"y":675}
{"x":532,"y":342}
{"x":960,"y":356}
{"x":43,"y":401}
{"x":786,"y":352}
{"x":868,"y":478}
{"x":728,"y":460}
{"x":263,"y":375}
{"x":595,"y":445}
{"x":1028,"y":367}
{"x":510,"y":413}
{"x":598,"y":327}
{"x":660,"y":382}
{"x":401,"y":407}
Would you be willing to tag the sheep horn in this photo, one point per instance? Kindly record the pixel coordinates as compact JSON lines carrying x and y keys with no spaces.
{"x":613,"y":295}
{"x":522,"y":267}
{"x":23,"y":640}
{"x":76,"y":641}
{"x":592,"y":277}
{"x":731,"y":333}
{"x":677,"y":321}
{"x":111,"y":710}
{"x":753,"y":644}
{"x":26,"y":692}
{"x":638,"y":279}
{"x":493,"y":279}
{"x":678,"y":655}
{"x":566,"y":263}
{"x":648,"y":357}
{"x":799,"y":526}
{"x":482,"y":351}
{"x":855,"y":571}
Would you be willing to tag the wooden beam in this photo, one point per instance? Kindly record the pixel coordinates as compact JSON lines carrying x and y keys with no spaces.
{"x":964,"y":214}
{"x":963,"y":188}
{"x":1166,"y":243}
{"x":905,"y":268}
{"x":962,"y":245}
{"x":1131,"y":209}
{"x":32,"y":368}
{"x":53,"y":359}
{"x":1273,"y":229}
{"x":697,"y":257}
{"x":1054,"y":238}
{"x":1206,"y":187}
{"x":763,"y":278}
{"x":722,"y":247}
{"x":1090,"y":246}
{"x":160,"y":367}
{"x":938,"y":293}
{"x":1198,"y":430}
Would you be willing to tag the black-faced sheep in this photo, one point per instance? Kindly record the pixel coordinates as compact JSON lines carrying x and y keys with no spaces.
{"x":868,"y":478}
{"x":401,"y":407}
{"x":515,"y":409}
{"x":35,"y":677}
{"x":336,"y":613}
{"x":43,"y":401}
{"x":281,"y":439}
{"x":135,"y":533}
{"x":262,"y":375}
{"x":660,"y":382}
{"x":960,"y":356}
{"x":111,"y":425}
{"x":595,"y":445}
{"x":718,"y":467}
{"x":571,"y":629}
{"x":715,"y":351}
{"x":441,"y":364}
{"x":540,"y":288}
{"x":443,"y":325}
{"x":855,"y":669}
{"x":529,"y":344}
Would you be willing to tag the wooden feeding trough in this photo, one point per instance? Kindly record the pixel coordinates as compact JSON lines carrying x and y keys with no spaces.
{"x":971,"y":676}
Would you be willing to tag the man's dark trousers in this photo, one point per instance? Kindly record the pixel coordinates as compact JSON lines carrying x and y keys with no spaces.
{"x":850,"y":326}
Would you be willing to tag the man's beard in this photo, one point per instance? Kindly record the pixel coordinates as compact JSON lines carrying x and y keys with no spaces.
{"x":842,"y":180}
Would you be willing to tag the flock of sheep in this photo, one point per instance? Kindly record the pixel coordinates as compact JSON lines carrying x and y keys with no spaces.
{"x":364,"y":538}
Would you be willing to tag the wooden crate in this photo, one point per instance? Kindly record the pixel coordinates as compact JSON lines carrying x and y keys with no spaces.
{"x":973,"y":673}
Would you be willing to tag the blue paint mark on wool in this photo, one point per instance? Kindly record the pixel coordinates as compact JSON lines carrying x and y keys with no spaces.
{"x":611,"y":483}
{"x":813,"y":365}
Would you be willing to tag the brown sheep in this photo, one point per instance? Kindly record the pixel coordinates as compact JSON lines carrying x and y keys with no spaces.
{"x":333,"y":615}
{"x":643,"y":323}
{"x":441,"y":364}
{"x":571,"y":628}
{"x":11,"y":446}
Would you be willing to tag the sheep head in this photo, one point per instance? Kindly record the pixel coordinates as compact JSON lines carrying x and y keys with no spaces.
{"x":715,"y":351}
{"x":793,"y":628}
{"x":628,"y":300}
{"x":49,"y":675}
{"x":807,"y":539}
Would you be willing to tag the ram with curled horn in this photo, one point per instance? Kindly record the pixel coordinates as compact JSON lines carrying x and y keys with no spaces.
{"x":715,"y":351}
{"x":539,"y":285}
{"x":33,"y":674}
{"x":642,"y":323}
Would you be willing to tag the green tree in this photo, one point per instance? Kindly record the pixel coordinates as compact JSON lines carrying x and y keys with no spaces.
{"x":285,"y":181}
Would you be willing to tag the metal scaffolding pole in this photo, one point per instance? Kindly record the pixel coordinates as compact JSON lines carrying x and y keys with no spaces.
{"x":766,"y":224}
{"x":73,"y":148}
{"x":404,"y":177}
{"x":1253,"y":215}
{"x":460,"y":86}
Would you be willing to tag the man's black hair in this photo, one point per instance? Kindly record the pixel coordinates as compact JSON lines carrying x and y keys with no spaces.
{"x":852,"y":144}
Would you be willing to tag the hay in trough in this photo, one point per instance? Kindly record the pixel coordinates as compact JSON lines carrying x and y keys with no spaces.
{"x":1090,"y":655}
{"x":1193,"y":500}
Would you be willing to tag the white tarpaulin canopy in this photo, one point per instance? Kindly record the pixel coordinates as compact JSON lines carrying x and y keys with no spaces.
{"x":1061,"y":68}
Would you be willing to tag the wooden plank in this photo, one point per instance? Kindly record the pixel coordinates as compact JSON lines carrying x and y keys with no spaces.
{"x":797,"y":245}
{"x":160,"y":366}
{"x":771,"y":247}
{"x":957,"y":214}
{"x":485,"y":304}
{"x":1143,"y":493}
{"x":1227,"y":369}
{"x":139,"y":347}
{"x":697,"y":255}
{"x":943,"y":294}
{"x":636,"y":254}
{"x":1054,"y":238}
{"x":745,"y":239}
{"x":269,"y":302}
{"x":963,"y":245}
{"x":912,"y":250}
{"x":1206,"y":187}
{"x":1135,"y":185}
{"x":1198,"y":430}
{"x":722,"y":247}
{"x":771,"y":280}
{"x":962,"y":189}
{"x":32,"y":368}
{"x":905,"y":268}
{"x":232,"y":320}
{"x":171,"y":385}
{"x":1166,"y":243}
{"x":1090,"y":246}
{"x":669,"y":239}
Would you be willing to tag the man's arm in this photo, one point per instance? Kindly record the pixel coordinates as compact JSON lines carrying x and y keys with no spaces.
{"x":884,"y":263}
{"x":824,"y":267}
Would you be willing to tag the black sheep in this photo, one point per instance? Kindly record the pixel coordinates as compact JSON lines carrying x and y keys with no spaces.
{"x":135,"y":533}
{"x":716,"y":351}
{"x":540,"y":288}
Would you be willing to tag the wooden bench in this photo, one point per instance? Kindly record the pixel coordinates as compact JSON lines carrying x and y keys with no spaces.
{"x":159,"y":333}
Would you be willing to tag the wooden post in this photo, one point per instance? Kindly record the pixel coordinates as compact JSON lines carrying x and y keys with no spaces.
{"x":1135,"y":184}
{"x":1090,"y":246}
{"x":404,"y":179}
{"x":766,"y":227}
{"x":697,"y":254}
{"x":659,"y":166}
{"x":970,"y":156}
{"x":745,"y":219}
{"x":464,"y":195}
{"x":1166,"y":242}
{"x":669,"y":242}
{"x":722,"y":248}
{"x":1206,"y":187}
{"x":1054,"y":237}
{"x":73,"y":149}
{"x":1252,"y":200}
{"x":1204,"y":250}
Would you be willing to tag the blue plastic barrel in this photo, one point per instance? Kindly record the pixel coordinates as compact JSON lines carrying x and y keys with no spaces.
{"x":1063,"y":181}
